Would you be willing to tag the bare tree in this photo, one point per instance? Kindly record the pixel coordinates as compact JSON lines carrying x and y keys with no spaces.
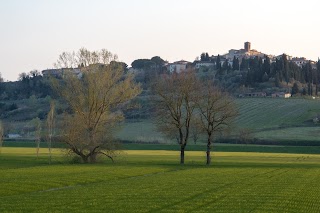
{"x":95,"y":101}
{"x":245,"y":136}
{"x":175,"y":104}
{"x":84,"y":57}
{"x":37,"y":126}
{"x":50,"y":128}
{"x":195,"y":131}
{"x":1,"y":136}
{"x":107,"y":57}
{"x":66,"y":60}
{"x":216,"y":110}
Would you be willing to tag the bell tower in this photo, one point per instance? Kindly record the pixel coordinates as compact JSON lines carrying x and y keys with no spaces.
{"x":247,"y":46}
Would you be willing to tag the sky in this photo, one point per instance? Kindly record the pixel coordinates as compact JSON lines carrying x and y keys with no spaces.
{"x":33,"y":33}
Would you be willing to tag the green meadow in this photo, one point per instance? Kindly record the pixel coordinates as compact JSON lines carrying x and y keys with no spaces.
{"x":152,"y":181}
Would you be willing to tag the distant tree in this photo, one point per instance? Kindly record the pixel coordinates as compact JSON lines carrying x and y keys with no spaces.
{"x":142,"y":64}
{"x":277,"y":80}
{"x":295,"y":89}
{"x":304,"y":91}
{"x":226,"y":66}
{"x":286,"y":68}
{"x":265,"y":77}
{"x":218,"y":63}
{"x":175,"y":103}
{"x":235,"y":64}
{"x":116,"y":64}
{"x":244,"y":65}
{"x":1,"y":136}
{"x":84,"y":57}
{"x":50,"y":127}
{"x":267,"y":66}
{"x":159,"y":62}
{"x":217,"y":110}
{"x":207,"y":57}
{"x":1,"y":78}
{"x":37,"y":126}
{"x":204,"y":57}
{"x":245,"y":136}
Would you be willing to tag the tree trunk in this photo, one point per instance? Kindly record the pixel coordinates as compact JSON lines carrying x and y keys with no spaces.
{"x":209,"y":151}
{"x":208,"y":154}
{"x":93,"y":158}
{"x":182,"y":154}
{"x":84,"y":158}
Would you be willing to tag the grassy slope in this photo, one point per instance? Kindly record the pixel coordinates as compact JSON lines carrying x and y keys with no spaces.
{"x":269,"y":118}
{"x":151,"y":181}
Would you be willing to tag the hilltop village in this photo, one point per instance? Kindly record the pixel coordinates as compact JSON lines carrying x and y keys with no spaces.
{"x":243,"y":72}
{"x":232,"y":56}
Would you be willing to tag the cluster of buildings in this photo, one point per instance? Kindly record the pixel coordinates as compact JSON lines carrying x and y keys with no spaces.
{"x":240,"y":54}
{"x":263,"y":94}
{"x":59,"y":73}
{"x":183,"y":65}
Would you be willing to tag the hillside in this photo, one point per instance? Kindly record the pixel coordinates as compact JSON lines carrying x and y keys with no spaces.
{"x":272,"y":119}
{"x":267,"y":118}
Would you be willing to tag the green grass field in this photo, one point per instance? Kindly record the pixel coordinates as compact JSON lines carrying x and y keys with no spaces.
{"x":152,"y":181}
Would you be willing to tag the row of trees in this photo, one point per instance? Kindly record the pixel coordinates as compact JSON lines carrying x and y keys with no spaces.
{"x":183,"y":102}
{"x":28,"y":84}
{"x":97,"y":99}
{"x":84,"y":57}
{"x":258,"y":70}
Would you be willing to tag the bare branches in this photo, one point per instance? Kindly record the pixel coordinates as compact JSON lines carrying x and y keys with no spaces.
{"x":84,"y":58}
{"x":95,"y":100}
{"x":175,"y":103}
{"x":187,"y":107}
{"x":216,"y":110}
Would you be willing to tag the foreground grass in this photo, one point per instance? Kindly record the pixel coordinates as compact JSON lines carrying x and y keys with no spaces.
{"x":151,"y":181}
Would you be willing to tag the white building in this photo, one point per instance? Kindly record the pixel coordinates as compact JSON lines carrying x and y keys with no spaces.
{"x":299,"y":61}
{"x":178,"y":66}
{"x":61,"y":72}
{"x":204,"y":64}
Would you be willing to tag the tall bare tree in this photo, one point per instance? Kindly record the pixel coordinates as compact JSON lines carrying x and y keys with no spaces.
{"x":175,"y":104}
{"x":216,"y":110}
{"x":50,"y":128}
{"x":95,"y":100}
{"x":37,"y":126}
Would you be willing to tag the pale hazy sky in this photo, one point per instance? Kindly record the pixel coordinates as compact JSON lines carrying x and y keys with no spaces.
{"x":34,"y":32}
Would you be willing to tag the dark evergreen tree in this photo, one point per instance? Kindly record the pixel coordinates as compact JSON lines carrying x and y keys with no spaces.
{"x":207,"y":57}
{"x":225,"y":66}
{"x":218,"y":63}
{"x":235,"y":64}
{"x":244,"y":64}
{"x":304,"y":91}
{"x":204,"y":57}
{"x":267,"y":65}
{"x":265,"y":77}
{"x":295,"y":89}
{"x":285,"y":68}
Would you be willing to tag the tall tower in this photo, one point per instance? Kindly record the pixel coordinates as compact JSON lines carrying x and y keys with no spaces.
{"x":247,"y":46}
